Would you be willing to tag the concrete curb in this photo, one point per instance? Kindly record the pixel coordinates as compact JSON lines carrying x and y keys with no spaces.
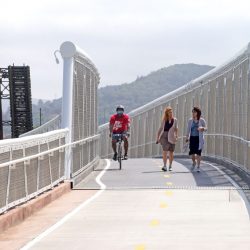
{"x":22,"y":212}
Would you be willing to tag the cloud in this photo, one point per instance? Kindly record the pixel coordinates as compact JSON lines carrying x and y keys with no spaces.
{"x":124,"y":38}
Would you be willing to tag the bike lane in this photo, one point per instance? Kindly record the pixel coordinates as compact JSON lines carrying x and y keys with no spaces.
{"x":145,"y":208}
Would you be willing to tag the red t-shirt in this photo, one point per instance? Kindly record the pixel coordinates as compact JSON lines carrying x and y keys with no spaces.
{"x":120,"y":123}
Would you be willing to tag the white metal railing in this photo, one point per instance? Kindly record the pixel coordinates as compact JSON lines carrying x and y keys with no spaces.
{"x":51,"y":125}
{"x":31,"y":174}
{"x":224,"y":97}
{"x":28,"y":167}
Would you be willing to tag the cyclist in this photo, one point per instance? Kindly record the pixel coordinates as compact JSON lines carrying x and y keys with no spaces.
{"x":119,"y":124}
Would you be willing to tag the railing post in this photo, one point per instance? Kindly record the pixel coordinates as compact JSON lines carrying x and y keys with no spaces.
{"x":8,"y":183}
{"x":60,"y":160}
{"x":38,"y":168}
{"x":25,"y":174}
{"x":50,"y":167}
{"x":68,"y":51}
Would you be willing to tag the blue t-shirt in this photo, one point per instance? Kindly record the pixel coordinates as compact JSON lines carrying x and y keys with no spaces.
{"x":194,"y":128}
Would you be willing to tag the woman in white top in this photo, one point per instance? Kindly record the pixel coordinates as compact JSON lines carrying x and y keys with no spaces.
{"x":167,"y":135}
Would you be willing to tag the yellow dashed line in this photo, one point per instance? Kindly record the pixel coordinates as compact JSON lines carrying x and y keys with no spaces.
{"x":140,"y":247}
{"x":154,"y":223}
{"x":169,"y":183}
{"x":163,"y":205}
{"x":167,"y":176}
{"x":168,"y":192}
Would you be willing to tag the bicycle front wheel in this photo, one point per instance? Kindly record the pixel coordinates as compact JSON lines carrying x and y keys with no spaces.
{"x":120,"y":156}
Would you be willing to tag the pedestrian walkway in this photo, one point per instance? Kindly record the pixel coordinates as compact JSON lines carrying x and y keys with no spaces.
{"x":144,"y":208}
{"x":147,"y":173}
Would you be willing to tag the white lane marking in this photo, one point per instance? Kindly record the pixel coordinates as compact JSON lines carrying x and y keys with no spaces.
{"x":98,"y":178}
{"x":238,"y":188}
{"x":70,"y":214}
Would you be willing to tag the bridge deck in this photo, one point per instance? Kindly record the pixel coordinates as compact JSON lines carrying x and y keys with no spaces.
{"x":147,"y":173}
{"x":145,"y":208}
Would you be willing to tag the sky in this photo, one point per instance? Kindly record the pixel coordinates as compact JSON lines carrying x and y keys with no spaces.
{"x":125,"y":39}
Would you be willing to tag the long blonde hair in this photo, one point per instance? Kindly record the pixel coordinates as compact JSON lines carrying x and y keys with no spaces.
{"x":165,"y":116}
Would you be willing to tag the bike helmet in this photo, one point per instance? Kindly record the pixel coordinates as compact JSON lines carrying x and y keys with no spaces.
{"x":120,"y":107}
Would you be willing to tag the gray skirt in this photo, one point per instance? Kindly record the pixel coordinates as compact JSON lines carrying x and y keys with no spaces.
{"x":166,"y":145}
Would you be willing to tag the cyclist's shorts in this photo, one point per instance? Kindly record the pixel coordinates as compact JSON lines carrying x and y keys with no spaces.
{"x":114,"y":136}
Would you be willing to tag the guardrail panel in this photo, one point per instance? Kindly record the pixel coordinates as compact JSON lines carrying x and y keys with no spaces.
{"x":32,"y":169}
{"x":54,"y":159}
{"x":44,"y":167}
{"x":17,"y":178}
{"x":3,"y":185}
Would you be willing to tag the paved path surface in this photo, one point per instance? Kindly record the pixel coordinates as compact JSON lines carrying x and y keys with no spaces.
{"x":144,"y":208}
{"x":147,"y":173}
{"x":16,"y":237}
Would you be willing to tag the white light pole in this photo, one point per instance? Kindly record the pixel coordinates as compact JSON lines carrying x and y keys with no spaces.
{"x":67,"y":50}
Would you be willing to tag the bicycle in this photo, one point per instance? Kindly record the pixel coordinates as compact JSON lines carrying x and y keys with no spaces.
{"x":119,"y":140}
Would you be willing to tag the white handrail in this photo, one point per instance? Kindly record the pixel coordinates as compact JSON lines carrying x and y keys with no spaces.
{"x":48,"y":151}
{"x":26,"y":139}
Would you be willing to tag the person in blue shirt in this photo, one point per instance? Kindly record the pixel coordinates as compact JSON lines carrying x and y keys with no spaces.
{"x":195,"y":136}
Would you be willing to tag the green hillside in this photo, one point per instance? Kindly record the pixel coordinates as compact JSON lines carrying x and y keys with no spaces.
{"x":147,"y":88}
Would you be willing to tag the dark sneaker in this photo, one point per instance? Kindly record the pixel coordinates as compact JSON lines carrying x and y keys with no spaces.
{"x":115,"y":157}
{"x":170,"y":168}
{"x":125,"y":157}
{"x":198,"y":169}
{"x":164,"y":168}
